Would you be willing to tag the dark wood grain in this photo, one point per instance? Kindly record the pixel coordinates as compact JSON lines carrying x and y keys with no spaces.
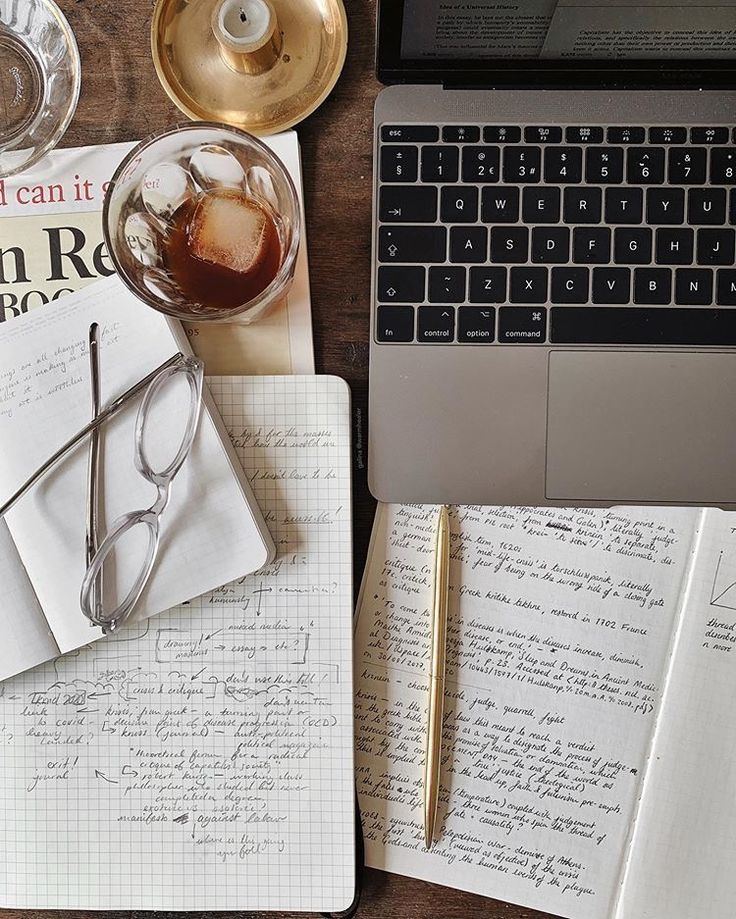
{"x":122,"y":100}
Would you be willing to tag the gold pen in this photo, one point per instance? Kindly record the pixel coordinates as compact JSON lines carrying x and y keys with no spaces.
{"x":436,"y":673}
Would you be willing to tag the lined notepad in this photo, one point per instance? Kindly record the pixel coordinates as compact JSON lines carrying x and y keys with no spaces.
{"x":203,"y":760}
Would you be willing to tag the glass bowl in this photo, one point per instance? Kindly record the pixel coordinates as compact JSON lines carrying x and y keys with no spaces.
{"x":166,"y":173}
{"x":40,"y":76}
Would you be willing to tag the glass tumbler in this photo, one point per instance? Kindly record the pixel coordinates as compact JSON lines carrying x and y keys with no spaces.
{"x":40,"y":76}
{"x":177,"y":219}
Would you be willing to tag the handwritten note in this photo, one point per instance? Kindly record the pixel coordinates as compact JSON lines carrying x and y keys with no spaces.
{"x":203,"y":760}
{"x":683,"y":850}
{"x":559,"y":637}
{"x":45,"y":400}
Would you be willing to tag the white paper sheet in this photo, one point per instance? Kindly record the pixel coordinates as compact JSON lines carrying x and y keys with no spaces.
{"x":203,"y":760}
{"x":211,"y":531}
{"x":560,"y":629}
{"x":684,"y":847}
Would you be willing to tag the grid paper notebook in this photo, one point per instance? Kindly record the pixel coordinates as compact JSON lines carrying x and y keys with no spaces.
{"x":203,"y":760}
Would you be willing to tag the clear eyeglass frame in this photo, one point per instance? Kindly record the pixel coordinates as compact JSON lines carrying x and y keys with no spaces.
{"x":92,"y":592}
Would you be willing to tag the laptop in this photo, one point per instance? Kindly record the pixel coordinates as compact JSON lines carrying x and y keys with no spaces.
{"x":554,"y":291}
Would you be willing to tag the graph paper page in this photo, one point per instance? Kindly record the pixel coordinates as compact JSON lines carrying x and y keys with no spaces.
{"x":683,"y":851}
{"x":203,"y":760}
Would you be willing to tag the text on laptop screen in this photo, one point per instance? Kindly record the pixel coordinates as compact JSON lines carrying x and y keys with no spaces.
{"x":568,"y":29}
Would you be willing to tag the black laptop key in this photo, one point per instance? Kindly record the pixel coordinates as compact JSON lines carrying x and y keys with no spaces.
{"x":687,"y":166}
{"x":522,"y":164}
{"x":709,"y":135}
{"x":626,"y":135}
{"x":584,"y":135}
{"x":509,"y":245}
{"x":624,"y":205}
{"x":551,"y":245}
{"x":500,"y":204}
{"x":502,"y":134}
{"x":447,"y":284}
{"x":706,"y":206}
{"x":569,"y":285}
{"x":582,"y":205}
{"x":665,"y":206}
{"x":543,"y":134}
{"x":645,"y":165}
{"x":522,"y":324}
{"x":399,"y":163}
{"x":481,"y":163}
{"x":723,"y":166}
{"x":435,"y":323}
{"x":653,"y":286}
{"x":528,"y":285}
{"x":632,"y":246}
{"x":694,"y":286}
{"x":461,"y":134}
{"x":400,"y":284}
{"x":563,"y":165}
{"x":407,"y":204}
{"x":468,"y":244}
{"x":674,"y":246}
{"x":459,"y":204}
{"x":611,"y":285}
{"x":661,"y":135}
{"x":475,"y":324}
{"x":591,"y":245}
{"x":732,"y":208}
{"x":716,"y":246}
{"x":540,"y":204}
{"x":395,"y":323}
{"x":726,"y":287}
{"x":412,"y":244}
{"x":410,"y":133}
{"x":487,"y":284}
{"x":632,"y":325}
{"x":440,"y":163}
{"x":604,"y":165}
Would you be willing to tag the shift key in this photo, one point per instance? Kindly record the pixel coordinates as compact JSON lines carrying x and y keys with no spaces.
{"x":407,"y":204}
{"x":400,"y":284}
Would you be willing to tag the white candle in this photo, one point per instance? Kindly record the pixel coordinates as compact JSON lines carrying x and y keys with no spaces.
{"x":246,"y":24}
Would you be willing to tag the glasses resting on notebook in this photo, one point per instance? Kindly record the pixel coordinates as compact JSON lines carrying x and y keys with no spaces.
{"x":157,"y":458}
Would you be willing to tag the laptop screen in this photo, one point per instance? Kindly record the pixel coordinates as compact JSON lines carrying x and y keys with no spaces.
{"x":444,"y":35}
{"x":575,"y":29}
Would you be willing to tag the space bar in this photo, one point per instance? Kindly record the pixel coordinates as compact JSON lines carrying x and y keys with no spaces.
{"x":632,"y":325}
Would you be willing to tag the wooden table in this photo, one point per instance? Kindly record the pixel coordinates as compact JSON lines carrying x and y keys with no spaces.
{"x":122,"y":100}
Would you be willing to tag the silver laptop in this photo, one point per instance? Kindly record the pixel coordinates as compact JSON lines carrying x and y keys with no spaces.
{"x":554,"y":291}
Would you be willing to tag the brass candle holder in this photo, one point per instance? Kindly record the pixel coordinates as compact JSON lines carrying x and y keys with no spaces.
{"x":260,"y":65}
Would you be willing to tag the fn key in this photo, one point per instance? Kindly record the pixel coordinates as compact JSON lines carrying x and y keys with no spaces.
{"x":395,"y":323}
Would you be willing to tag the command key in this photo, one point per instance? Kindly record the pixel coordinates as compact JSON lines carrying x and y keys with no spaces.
{"x":522,"y":325}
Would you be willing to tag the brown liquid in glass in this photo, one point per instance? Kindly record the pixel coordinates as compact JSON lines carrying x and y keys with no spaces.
{"x":218,"y":286}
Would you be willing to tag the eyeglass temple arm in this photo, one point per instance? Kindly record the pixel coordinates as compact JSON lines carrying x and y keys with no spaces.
{"x":103,"y":416}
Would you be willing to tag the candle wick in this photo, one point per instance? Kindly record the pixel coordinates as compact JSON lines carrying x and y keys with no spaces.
{"x":243,"y":17}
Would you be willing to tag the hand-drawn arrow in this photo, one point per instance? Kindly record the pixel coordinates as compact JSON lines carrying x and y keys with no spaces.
{"x":101,"y":775}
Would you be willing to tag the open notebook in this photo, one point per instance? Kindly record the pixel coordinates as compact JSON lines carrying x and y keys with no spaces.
{"x":589,"y":734}
{"x":203,"y":760}
{"x":212,"y":530}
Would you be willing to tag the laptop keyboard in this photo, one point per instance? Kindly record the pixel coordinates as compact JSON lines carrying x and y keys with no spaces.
{"x":533,"y":234}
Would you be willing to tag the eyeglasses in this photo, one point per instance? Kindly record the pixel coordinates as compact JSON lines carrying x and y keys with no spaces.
{"x":159,"y":455}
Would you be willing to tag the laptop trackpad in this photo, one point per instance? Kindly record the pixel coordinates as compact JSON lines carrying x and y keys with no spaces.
{"x":636,"y":426}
